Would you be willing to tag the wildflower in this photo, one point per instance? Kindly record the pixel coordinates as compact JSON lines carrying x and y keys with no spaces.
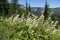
{"x":56,"y":22}
{"x":54,"y":31}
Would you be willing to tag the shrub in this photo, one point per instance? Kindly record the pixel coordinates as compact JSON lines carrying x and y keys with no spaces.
{"x":30,"y":28}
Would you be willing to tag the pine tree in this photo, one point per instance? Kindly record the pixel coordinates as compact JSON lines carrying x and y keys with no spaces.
{"x":29,"y":8}
{"x":4,"y":7}
{"x":46,"y":10}
{"x":26,"y":12}
{"x":14,"y":6}
{"x":1,"y":7}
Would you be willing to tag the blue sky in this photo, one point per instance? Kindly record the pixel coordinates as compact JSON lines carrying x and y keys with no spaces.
{"x":41,"y":3}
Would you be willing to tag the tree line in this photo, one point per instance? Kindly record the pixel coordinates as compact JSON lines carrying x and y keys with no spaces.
{"x":8,"y":9}
{"x":13,"y":8}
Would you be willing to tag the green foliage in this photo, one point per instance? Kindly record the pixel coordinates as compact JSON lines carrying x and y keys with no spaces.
{"x":29,"y":8}
{"x":47,"y":10}
{"x":4,"y":7}
{"x":30,"y":28}
{"x":14,"y":6}
{"x":7,"y":9}
{"x":26,"y":28}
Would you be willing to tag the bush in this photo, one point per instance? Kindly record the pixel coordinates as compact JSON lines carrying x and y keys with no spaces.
{"x":30,"y":28}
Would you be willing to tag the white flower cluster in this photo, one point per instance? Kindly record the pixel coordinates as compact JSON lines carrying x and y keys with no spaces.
{"x":31,"y":26}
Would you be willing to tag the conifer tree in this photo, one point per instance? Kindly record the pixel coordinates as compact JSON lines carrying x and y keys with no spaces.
{"x":29,"y":8}
{"x":4,"y":7}
{"x":46,"y":10}
{"x":1,"y":6}
{"x":14,"y":6}
{"x":26,"y":13}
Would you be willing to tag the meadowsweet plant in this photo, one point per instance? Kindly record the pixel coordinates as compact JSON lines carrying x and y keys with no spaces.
{"x":30,"y":28}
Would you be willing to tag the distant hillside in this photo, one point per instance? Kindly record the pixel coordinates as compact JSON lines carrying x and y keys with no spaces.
{"x":56,"y":11}
{"x":38,"y":10}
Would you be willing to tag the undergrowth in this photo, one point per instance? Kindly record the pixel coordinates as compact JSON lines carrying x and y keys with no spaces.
{"x":30,"y":28}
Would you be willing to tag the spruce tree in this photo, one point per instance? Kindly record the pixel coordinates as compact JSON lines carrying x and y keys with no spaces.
{"x":14,"y":6}
{"x":26,"y":12}
{"x":0,"y":6}
{"x":46,"y":10}
{"x":29,"y":8}
{"x":4,"y":7}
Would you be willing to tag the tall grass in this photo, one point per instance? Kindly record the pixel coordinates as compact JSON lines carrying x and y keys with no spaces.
{"x":30,"y":28}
